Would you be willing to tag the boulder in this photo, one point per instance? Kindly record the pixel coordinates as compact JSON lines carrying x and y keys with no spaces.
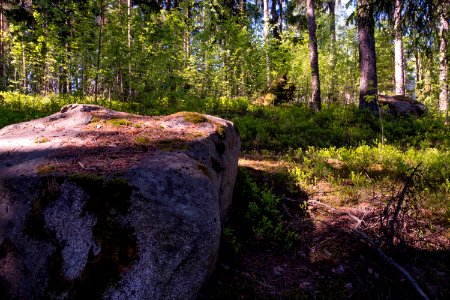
{"x":97,"y":204}
{"x":399,"y":105}
{"x":279,"y":91}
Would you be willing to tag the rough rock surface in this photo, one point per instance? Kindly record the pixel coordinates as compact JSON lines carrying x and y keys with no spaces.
{"x":101,"y":204}
{"x":401,"y":105}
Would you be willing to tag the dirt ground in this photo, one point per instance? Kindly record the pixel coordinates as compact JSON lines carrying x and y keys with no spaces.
{"x":331,"y":259}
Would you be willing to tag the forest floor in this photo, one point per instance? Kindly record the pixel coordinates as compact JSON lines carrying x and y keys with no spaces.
{"x":330,"y":259}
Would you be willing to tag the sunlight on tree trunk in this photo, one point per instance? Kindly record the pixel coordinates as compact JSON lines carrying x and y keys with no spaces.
{"x":315,"y":102}
{"x":398,"y":42}
{"x":99,"y":50}
{"x":368,"y":85}
{"x":332,"y":7}
{"x":266,"y":38}
{"x":443,"y":58}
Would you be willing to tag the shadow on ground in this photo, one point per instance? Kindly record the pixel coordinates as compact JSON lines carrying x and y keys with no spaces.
{"x":326,"y":262}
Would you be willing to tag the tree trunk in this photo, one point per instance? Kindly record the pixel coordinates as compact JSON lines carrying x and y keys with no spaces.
{"x":24,"y":68}
{"x":368,"y":86}
{"x":129,"y":48}
{"x":443,"y":59}
{"x":266,"y":37}
{"x":99,"y":51}
{"x":315,"y":102}
{"x":2,"y":51}
{"x":274,"y":20}
{"x":187,"y":35}
{"x":332,"y":12}
{"x":280,"y":18}
{"x":242,"y":5}
{"x":398,"y":42}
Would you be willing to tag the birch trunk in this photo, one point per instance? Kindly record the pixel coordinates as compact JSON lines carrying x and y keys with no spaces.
{"x":398,"y":49}
{"x":443,"y":59}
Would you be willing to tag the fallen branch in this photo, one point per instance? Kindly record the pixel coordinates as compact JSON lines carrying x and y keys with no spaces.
{"x":374,"y":245}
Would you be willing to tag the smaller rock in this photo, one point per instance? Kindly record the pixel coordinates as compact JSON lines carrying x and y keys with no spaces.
{"x":401,"y":105}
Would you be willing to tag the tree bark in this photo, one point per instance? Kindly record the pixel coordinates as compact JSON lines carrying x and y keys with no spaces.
{"x":274,"y":20}
{"x":129,"y":47}
{"x":443,"y":59}
{"x":242,"y":5}
{"x":266,"y":37}
{"x":332,"y":12}
{"x":368,"y":85}
{"x":24,"y":68}
{"x":280,"y":18}
{"x":187,"y":35}
{"x":398,"y":49}
{"x":99,"y":51}
{"x":315,"y":101}
{"x":2,"y":50}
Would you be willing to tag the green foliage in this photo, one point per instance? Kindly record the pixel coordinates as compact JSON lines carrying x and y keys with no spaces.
{"x":262,"y":211}
{"x":371,"y":166}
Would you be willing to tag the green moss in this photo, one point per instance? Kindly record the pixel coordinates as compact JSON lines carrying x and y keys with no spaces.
{"x":109,"y":201}
{"x":119,"y":122}
{"x":142,"y":142}
{"x":48,"y":191}
{"x":45,"y":169}
{"x":41,"y":140}
{"x":194,"y":118}
{"x":172,"y":145}
{"x":221,"y":130}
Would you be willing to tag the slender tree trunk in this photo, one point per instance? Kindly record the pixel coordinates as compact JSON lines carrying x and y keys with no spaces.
{"x":24,"y":68}
{"x":332,"y":12}
{"x":187,"y":36}
{"x":280,"y":18}
{"x":443,"y":58}
{"x":167,"y":4}
{"x":99,"y":51}
{"x":368,"y":85}
{"x":242,"y":5}
{"x":129,"y":3}
{"x":398,"y":49}
{"x":266,"y":37}
{"x":274,"y":20}
{"x":315,"y":102}
{"x":2,"y":50}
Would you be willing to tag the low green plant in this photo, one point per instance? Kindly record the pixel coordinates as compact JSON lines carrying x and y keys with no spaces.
{"x":263,"y":213}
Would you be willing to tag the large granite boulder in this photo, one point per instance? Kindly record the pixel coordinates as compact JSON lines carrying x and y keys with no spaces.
{"x":102,"y":204}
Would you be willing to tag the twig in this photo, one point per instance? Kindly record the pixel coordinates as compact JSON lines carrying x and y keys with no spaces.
{"x":358,"y":220}
{"x":374,"y":245}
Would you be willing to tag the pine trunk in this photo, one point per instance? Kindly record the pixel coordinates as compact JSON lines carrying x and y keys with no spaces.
{"x":368,"y":86}
{"x":443,"y":59}
{"x":315,"y":102}
{"x":398,"y":49}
